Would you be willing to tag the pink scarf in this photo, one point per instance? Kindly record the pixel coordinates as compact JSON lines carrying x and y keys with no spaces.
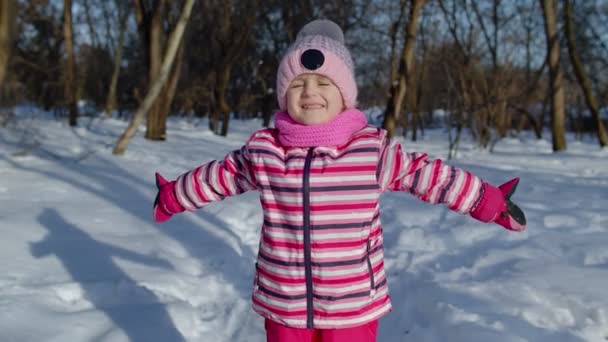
{"x":333,"y":133}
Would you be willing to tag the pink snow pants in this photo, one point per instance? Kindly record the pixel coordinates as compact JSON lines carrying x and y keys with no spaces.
{"x":276,"y":332}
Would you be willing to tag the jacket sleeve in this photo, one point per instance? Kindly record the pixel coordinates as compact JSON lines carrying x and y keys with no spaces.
{"x":215,"y":180}
{"x":430,"y":180}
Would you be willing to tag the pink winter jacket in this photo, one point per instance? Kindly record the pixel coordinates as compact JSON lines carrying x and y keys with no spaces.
{"x":321,"y":259}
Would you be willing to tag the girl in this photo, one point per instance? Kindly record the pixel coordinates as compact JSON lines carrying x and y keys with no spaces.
{"x":320,"y":173}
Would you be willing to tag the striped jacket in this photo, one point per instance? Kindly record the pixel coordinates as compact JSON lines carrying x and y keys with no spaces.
{"x":321,"y":259}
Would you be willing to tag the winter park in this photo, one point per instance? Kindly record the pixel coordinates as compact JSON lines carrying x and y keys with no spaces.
{"x":319,"y":171}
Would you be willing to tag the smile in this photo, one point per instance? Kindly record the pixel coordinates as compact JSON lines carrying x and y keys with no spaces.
{"x":312,"y":106}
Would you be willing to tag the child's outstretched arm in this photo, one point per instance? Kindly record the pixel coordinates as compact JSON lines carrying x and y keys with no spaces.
{"x":207,"y":183}
{"x":435,"y":182}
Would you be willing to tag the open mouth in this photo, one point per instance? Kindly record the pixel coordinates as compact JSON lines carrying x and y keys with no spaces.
{"x":312,"y":106}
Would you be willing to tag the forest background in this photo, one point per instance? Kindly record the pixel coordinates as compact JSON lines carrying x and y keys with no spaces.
{"x":492,"y":67}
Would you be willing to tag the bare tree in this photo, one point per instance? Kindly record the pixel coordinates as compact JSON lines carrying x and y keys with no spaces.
{"x":173,"y":45}
{"x":70,"y":66}
{"x":123,"y":15}
{"x":153,"y":18}
{"x":533,"y":90}
{"x":556,"y":75}
{"x":295,"y":14}
{"x":420,"y":79}
{"x":583,"y":81}
{"x":7,"y":30}
{"x":399,"y":90}
{"x":231,"y":40}
{"x":498,"y":86}
{"x":461,"y":69}
{"x":90,"y":23}
{"x":456,"y":110}
{"x":395,"y":33}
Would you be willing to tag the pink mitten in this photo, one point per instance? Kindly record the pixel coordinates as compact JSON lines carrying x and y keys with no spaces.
{"x":165,"y":204}
{"x":496,"y":206}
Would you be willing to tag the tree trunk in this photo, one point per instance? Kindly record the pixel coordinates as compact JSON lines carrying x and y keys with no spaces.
{"x":70,"y":67}
{"x":214,"y":116}
{"x":415,"y":120}
{"x":155,"y":56}
{"x":90,"y":25}
{"x":526,"y":115}
{"x":236,"y":31}
{"x":414,"y":99}
{"x":7,"y":31}
{"x":153,"y":36}
{"x":172,"y":47}
{"x":268,"y":104}
{"x":394,"y":33}
{"x":399,"y":90}
{"x":220,"y":94}
{"x":582,"y":77}
{"x":556,"y":75}
{"x":173,"y":80}
{"x":111,"y":100}
{"x":165,"y":98}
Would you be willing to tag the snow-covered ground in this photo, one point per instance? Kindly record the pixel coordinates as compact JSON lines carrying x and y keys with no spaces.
{"x":82,"y":260}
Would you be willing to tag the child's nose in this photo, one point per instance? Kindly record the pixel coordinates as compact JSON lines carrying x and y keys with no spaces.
{"x":309,"y":89}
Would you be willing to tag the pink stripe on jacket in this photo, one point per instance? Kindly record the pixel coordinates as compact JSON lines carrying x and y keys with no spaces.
{"x":321,"y":258}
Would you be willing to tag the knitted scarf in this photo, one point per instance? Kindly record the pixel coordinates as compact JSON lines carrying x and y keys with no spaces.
{"x":333,"y":133}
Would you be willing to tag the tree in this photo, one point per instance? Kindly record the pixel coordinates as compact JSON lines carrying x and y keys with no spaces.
{"x":235,"y":28}
{"x":399,"y":89}
{"x":555,"y":74}
{"x":7,"y":31}
{"x":579,"y":71}
{"x":37,"y":61}
{"x":173,"y":45}
{"x":497,"y":85}
{"x":533,"y":91}
{"x":152,"y":19}
{"x":123,"y":15}
{"x":70,"y":66}
{"x":460,"y":68}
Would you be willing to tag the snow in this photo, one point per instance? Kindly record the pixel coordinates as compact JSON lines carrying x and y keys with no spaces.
{"x":82,"y":260}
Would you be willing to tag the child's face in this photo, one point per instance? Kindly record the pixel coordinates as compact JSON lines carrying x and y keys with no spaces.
{"x":313,"y":99}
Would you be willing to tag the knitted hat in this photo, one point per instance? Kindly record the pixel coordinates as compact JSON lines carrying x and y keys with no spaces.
{"x":319,"y":49}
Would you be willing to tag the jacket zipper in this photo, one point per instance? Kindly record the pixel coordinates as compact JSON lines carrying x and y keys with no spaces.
{"x":371,"y":270}
{"x":307,"y":252}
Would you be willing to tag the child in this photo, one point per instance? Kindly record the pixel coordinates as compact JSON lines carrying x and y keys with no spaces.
{"x":320,"y":271}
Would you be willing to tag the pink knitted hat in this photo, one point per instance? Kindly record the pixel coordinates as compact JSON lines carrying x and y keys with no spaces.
{"x":319,"y":49}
